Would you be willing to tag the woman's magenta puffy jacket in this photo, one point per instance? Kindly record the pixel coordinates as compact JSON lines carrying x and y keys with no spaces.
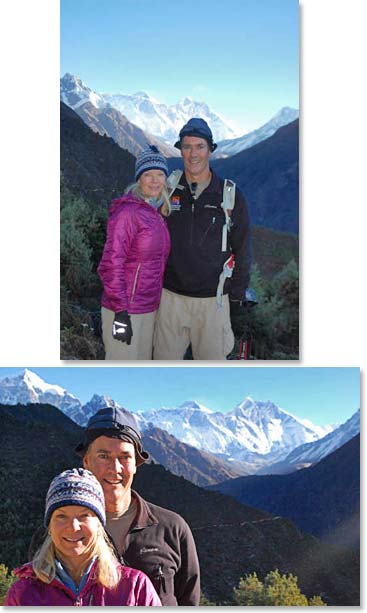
{"x":134,"y":590}
{"x":134,"y":256}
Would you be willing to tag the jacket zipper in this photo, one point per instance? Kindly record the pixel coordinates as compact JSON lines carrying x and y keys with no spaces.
{"x":207,"y":230}
{"x":192,"y":220}
{"x":135,"y":282}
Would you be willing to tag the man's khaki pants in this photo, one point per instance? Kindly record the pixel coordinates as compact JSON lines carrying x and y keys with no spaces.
{"x":182,"y":320}
{"x":141,"y":347}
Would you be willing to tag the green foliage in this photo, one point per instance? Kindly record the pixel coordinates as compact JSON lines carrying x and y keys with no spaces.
{"x":205,"y":602}
{"x":81,"y":245}
{"x":6,"y":580}
{"x":277,"y":590}
{"x":75,"y":252}
{"x":272,"y":325}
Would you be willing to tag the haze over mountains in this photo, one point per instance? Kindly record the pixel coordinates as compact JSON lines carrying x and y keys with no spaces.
{"x":253,"y":437}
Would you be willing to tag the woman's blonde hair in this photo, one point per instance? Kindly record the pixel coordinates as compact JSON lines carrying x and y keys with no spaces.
{"x":107,"y":569}
{"x":135,"y":189}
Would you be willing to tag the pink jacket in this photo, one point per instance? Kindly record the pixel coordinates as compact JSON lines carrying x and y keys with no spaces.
{"x":133,"y":590}
{"x":134,"y":256}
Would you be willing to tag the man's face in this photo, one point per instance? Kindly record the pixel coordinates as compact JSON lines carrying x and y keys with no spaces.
{"x":195,"y":153}
{"x":112,"y":461}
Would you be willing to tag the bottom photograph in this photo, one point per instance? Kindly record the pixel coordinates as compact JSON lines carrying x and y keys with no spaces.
{"x":176,"y":486}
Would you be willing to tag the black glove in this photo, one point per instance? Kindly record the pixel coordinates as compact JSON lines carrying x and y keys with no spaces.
{"x":237,"y":318}
{"x":121,"y":327}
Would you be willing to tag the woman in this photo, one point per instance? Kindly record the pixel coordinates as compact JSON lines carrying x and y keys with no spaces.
{"x":133,"y":261}
{"x":76,"y":565}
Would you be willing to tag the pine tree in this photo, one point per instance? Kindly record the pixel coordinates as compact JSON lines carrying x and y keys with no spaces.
{"x":276,"y":590}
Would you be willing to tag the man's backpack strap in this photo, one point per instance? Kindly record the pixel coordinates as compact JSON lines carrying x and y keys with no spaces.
{"x":229,"y":194}
{"x":173,"y":181}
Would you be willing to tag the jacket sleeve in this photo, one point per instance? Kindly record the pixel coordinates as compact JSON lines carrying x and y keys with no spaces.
{"x":240,"y":242}
{"x":146,"y":596}
{"x":187,"y":580}
{"x":121,"y":231}
{"x":12,"y":596}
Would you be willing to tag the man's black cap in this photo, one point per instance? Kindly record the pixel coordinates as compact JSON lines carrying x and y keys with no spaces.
{"x":112,"y":422}
{"x":197,"y":127}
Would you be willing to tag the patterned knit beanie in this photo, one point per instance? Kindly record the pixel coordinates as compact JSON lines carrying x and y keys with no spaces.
{"x":76,"y":486}
{"x":150,"y":159}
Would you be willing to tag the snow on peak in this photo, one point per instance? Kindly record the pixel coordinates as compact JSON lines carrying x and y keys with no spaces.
{"x":145,"y":111}
{"x":35,"y":382}
{"x":192,"y":404}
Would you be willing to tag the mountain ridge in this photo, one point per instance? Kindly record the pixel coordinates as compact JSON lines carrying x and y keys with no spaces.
{"x":322,"y":499}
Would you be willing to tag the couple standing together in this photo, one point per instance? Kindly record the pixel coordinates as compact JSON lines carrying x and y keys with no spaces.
{"x":169,"y":255}
{"x":102,"y":544}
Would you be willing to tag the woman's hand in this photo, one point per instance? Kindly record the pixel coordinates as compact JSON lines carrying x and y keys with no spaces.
{"x":121,"y":327}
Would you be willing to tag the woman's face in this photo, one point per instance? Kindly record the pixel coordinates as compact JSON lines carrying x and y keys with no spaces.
{"x":73,"y":529}
{"x":151,"y":183}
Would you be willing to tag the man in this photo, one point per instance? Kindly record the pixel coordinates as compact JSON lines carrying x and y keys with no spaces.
{"x":199,"y":298}
{"x":148,"y":537}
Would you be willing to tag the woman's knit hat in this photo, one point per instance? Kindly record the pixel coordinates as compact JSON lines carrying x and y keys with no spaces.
{"x":150,"y":159}
{"x":76,"y":486}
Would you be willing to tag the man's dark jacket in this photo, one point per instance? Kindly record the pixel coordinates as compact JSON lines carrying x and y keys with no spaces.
{"x":160,"y":544}
{"x":196,"y":258}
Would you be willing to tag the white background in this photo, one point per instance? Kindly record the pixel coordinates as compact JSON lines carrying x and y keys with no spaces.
{"x":333,"y":183}
{"x":333,"y":192}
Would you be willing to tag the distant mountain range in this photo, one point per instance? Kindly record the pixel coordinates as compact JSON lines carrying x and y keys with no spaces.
{"x":227,"y":148}
{"x":154,"y":117}
{"x":232,"y":539}
{"x":311,"y":453}
{"x":252,"y":432}
{"x":322,"y":500}
{"x":27,"y":387}
{"x":136,"y":120}
{"x":205,"y":446}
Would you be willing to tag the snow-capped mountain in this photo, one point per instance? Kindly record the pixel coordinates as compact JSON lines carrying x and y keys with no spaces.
{"x":144,"y":111}
{"x":230,"y":147}
{"x":310,"y":453}
{"x":75,"y":93}
{"x":99,"y":402}
{"x":255,"y":434}
{"x":27,"y":387}
{"x":251,"y":429}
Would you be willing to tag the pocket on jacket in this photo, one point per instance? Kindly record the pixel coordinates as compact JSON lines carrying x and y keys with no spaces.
{"x":163,"y":581}
{"x":135,"y":282}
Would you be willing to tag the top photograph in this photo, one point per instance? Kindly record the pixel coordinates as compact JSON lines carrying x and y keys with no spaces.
{"x":179,"y":180}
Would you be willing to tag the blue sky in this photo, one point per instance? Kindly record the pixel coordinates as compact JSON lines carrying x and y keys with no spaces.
{"x":323,"y":395}
{"x":239,"y":56}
